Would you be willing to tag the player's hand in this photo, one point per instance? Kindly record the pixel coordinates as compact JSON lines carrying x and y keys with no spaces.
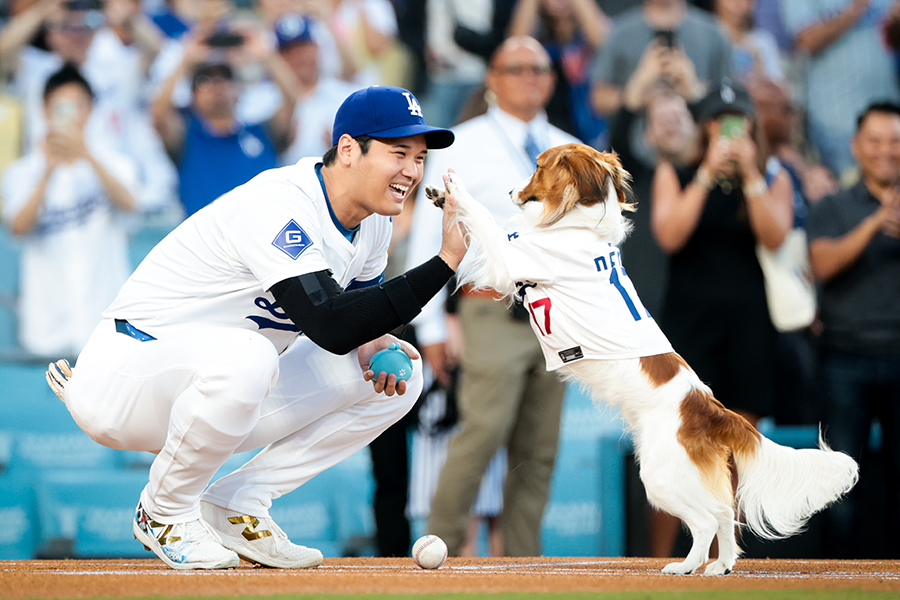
{"x":453,"y":235}
{"x":385,"y":383}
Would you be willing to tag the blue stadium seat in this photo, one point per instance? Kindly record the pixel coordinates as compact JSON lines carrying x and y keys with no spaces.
{"x":9,"y":287}
{"x":585,"y":515}
{"x":36,"y":429}
{"x":19,"y":535}
{"x":88,"y":513}
{"x":354,"y":495}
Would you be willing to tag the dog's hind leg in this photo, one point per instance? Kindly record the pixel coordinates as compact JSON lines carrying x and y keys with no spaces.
{"x":728,"y":547}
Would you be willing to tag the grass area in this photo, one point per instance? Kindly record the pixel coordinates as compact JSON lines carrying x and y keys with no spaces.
{"x":848,"y":594}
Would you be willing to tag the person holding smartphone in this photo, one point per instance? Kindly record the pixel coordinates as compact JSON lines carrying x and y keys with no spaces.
{"x":660,"y":39}
{"x":709,"y":218}
{"x":213,"y":149}
{"x":63,"y":200}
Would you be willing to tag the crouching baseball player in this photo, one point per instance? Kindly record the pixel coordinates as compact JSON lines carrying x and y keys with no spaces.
{"x":251,"y":326}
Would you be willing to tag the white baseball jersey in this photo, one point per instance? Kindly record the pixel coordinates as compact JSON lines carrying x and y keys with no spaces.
{"x":216,"y":268}
{"x":582,"y":304}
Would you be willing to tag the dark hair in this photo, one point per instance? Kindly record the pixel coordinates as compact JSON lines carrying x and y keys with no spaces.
{"x":208,"y":70}
{"x":330,"y":155}
{"x":877,"y":107}
{"x":69,"y":73}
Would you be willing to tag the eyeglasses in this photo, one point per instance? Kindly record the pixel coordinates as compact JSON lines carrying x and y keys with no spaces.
{"x":206,"y":80}
{"x":522,"y":69}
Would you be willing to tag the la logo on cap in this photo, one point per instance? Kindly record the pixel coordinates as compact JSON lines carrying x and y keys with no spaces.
{"x":414,"y":108}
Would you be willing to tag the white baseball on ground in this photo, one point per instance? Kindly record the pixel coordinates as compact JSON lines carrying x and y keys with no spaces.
{"x":429,"y":552}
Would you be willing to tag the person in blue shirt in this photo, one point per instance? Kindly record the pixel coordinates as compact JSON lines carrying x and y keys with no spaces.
{"x":213,"y":150}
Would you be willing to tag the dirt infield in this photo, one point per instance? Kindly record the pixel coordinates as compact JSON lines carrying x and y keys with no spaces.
{"x":124,"y":578}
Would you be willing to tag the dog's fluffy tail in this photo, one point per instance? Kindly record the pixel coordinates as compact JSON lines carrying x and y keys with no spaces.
{"x":780,"y":488}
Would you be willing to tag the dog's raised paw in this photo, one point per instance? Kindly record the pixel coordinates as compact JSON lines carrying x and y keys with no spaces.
{"x":436,"y":195}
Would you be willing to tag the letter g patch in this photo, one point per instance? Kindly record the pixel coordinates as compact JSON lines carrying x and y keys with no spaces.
{"x":292,"y":240}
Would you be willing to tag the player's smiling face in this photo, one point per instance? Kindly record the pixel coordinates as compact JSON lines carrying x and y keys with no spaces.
{"x":390,"y":171}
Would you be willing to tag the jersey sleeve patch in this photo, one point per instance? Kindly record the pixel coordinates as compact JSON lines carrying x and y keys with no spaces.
{"x":292,"y":240}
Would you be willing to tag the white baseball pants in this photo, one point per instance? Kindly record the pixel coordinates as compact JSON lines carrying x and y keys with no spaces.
{"x":198,"y":396}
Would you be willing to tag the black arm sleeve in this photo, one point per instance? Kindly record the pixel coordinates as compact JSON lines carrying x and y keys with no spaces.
{"x":340,"y":321}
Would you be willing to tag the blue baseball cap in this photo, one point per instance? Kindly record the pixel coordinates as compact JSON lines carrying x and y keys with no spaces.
{"x":293,"y":28}
{"x":384,"y":111}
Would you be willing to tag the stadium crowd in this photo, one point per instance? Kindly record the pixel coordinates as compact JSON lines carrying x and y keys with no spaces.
{"x":747,"y":125}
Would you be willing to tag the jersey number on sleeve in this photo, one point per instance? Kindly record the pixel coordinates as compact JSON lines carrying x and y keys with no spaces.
{"x":545,"y":304}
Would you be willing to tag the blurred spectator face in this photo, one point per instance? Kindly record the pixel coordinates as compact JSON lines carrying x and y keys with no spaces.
{"x":522,"y":79}
{"x":304,"y":61}
{"x":215,"y":96}
{"x":557,"y":9}
{"x":737,"y":13}
{"x":70,"y":33}
{"x":671,"y":130}
{"x":202,"y":11}
{"x":876,"y":147}
{"x":272,"y":9}
{"x":775,"y":112}
{"x":67,"y":108}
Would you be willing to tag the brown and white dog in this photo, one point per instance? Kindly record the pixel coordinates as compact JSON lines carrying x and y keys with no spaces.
{"x":683,"y":436}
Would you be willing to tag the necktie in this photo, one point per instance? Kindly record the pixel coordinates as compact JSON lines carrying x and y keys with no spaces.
{"x":531,"y":147}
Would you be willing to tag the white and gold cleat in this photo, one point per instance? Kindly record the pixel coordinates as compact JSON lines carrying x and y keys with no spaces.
{"x":258,"y":539}
{"x":190,"y":545}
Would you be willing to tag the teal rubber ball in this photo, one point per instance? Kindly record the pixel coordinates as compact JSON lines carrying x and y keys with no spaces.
{"x":392,"y":360}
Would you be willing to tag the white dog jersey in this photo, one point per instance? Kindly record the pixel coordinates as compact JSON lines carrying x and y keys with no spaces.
{"x":216,"y":268}
{"x":582,"y":304}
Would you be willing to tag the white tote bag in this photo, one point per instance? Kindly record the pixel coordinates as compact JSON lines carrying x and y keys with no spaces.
{"x":790,"y":287}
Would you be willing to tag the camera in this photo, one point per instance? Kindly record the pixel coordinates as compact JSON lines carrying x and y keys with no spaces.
{"x":84,"y":5}
{"x":224,"y":39}
{"x":666,"y":37}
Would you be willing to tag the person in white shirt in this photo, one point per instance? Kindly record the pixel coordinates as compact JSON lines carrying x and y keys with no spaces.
{"x":252,"y":325}
{"x":64,"y":200}
{"x":76,"y":33}
{"x":506,"y":396}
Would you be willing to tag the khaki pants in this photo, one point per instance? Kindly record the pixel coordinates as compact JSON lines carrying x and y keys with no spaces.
{"x":506,"y":398}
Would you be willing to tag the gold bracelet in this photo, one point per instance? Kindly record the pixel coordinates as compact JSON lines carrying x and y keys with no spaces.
{"x":757,"y":188}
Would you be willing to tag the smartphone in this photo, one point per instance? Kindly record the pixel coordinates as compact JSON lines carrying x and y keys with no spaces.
{"x":84,"y":5}
{"x":666,"y":37}
{"x":224,"y":39}
{"x":732,"y":126}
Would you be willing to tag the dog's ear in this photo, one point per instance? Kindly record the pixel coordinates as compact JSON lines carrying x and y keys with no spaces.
{"x":620,"y":178}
